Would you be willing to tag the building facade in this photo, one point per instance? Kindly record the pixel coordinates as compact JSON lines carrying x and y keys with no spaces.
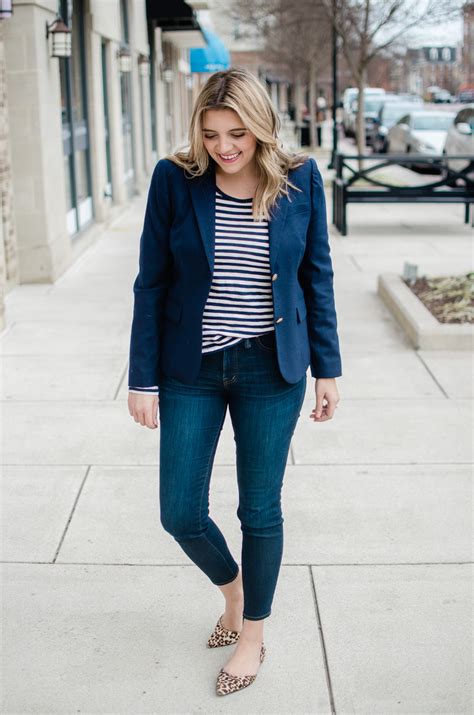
{"x":80,"y":135}
{"x":468,"y":46}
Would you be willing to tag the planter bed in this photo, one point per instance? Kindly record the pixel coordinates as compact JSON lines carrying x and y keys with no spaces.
{"x":422,"y":328}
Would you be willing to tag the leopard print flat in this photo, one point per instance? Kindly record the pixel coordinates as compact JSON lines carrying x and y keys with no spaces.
{"x":227,"y":683}
{"x":222,"y":636}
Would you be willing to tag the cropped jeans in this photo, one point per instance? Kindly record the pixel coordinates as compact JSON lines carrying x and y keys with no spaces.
{"x":264,"y":411}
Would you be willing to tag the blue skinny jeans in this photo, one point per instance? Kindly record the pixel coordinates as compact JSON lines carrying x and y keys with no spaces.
{"x":264,"y":411}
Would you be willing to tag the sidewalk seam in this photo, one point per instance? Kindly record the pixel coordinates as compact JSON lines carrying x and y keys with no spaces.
{"x":431,"y":374}
{"x":89,"y":467}
{"x":322,"y":643}
{"x":123,"y":375}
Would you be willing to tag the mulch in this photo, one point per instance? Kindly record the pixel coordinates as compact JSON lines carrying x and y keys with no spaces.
{"x":449,"y":298}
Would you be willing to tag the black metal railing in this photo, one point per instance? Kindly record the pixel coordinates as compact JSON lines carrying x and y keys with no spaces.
{"x":452,"y":186}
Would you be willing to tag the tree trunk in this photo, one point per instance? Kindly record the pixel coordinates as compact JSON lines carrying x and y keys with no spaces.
{"x":360,"y":119}
{"x":360,"y":122}
{"x":298,"y":101}
{"x":312,"y":104}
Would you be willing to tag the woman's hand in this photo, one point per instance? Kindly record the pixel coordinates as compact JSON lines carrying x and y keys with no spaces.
{"x":144,"y":408}
{"x":326,"y":390}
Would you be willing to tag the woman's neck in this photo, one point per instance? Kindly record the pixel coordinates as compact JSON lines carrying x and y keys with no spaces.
{"x":239,"y":185}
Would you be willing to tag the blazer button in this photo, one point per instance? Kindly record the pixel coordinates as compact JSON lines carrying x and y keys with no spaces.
{"x":274,"y":276}
{"x":279,"y":320}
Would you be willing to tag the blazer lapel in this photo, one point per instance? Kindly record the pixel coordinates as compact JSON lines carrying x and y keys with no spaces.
{"x":203,"y":191}
{"x":275,"y":229}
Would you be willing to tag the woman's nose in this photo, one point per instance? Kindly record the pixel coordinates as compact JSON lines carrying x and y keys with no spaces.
{"x":224,"y":149}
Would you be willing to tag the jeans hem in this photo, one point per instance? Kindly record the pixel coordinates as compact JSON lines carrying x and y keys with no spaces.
{"x":229,"y":581}
{"x":256,"y":618}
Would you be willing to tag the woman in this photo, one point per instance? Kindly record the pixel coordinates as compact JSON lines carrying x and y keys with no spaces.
{"x":233,"y":301}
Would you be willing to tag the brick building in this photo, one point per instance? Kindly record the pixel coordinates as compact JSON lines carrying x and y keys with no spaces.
{"x":468,"y":46}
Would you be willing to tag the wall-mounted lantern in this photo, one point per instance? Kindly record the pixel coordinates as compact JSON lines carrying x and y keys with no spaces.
{"x":167,"y":74}
{"x":59,"y":36}
{"x":6,"y":9}
{"x":144,"y":65}
{"x":125,"y":59}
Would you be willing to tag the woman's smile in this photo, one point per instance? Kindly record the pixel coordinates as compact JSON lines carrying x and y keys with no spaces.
{"x":230,"y":158}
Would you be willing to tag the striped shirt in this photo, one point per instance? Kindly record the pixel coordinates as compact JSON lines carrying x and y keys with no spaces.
{"x":240,"y":300}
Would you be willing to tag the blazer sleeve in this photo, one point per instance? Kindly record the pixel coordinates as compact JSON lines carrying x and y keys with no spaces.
{"x":316,"y":276}
{"x":151,"y":284}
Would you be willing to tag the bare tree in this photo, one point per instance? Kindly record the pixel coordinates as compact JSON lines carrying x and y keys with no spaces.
{"x":296,"y":31}
{"x":297,"y":37}
{"x":370,"y":27}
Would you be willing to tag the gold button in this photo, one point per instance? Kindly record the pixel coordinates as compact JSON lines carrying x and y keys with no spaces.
{"x":279,"y":320}
{"x":274,"y":276}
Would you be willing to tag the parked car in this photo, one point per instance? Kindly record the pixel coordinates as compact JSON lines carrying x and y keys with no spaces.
{"x":372,"y":106}
{"x":466,"y":96}
{"x":388,"y":115}
{"x":408,"y":97}
{"x":442,"y":97}
{"x":420,"y":132}
{"x":351,"y":94}
{"x":460,"y":140}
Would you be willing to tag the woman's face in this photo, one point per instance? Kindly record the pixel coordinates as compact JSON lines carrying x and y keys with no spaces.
{"x":228,"y":141}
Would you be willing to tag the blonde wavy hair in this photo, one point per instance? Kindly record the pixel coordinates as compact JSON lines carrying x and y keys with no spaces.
{"x":240,"y":90}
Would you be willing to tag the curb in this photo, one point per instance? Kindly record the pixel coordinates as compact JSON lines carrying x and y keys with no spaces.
{"x":422,"y":328}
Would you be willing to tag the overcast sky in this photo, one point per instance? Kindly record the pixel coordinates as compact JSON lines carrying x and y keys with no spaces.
{"x":450,"y":33}
{"x":447,"y":33}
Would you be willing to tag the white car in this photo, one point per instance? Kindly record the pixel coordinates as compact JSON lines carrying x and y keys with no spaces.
{"x":460,"y":140}
{"x":420,"y":132}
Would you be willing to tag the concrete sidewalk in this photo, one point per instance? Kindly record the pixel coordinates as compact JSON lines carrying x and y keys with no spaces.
{"x":373,"y":611}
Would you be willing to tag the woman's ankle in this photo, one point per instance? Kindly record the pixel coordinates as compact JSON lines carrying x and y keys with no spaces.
{"x":235,"y":597}
{"x":233,"y":592}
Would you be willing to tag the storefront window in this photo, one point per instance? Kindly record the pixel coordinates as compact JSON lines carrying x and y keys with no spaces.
{"x":126,"y":96}
{"x":152,"y":88}
{"x":75,"y":121}
{"x":105,"y":94}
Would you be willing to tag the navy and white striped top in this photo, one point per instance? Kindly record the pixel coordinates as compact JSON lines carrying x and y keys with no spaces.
{"x":240,"y":300}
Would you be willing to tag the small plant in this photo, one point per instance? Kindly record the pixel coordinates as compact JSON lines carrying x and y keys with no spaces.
{"x":449,"y":298}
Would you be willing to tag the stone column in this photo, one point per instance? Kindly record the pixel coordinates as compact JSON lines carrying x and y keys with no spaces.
{"x":34,"y":102}
{"x":160,"y":90}
{"x":8,"y":239}
{"x":96,"y":119}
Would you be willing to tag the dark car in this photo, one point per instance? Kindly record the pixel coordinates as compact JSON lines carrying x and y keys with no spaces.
{"x":466,"y":95}
{"x":388,"y":115}
{"x":372,"y":106}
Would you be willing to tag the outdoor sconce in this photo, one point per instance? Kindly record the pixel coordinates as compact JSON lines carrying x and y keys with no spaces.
{"x":144,"y":65}
{"x":167,"y":74}
{"x":6,"y":9}
{"x":125,"y":59}
{"x":60,"y":34}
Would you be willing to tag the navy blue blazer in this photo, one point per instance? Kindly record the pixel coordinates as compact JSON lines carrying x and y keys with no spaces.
{"x":175,"y":271}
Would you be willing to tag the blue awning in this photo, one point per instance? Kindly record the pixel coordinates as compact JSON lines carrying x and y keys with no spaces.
{"x":212,"y":58}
